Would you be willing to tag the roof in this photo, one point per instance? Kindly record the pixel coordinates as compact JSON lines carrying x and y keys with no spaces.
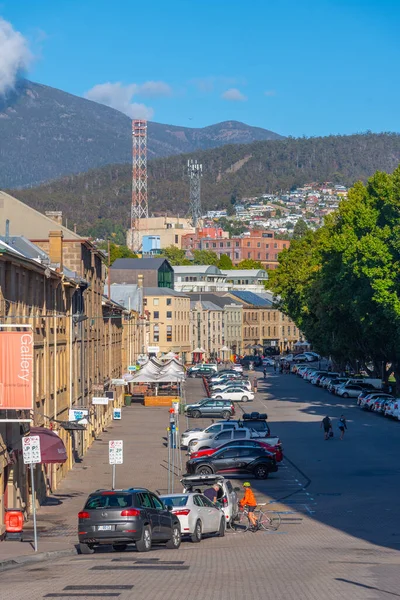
{"x":252,"y":298}
{"x":24,"y":246}
{"x":218,"y":299}
{"x":26,"y":221}
{"x":205,"y":305}
{"x":157,"y":291}
{"x":235,"y":273}
{"x":198,"y":269}
{"x":139,"y":263}
{"x":128,"y":295}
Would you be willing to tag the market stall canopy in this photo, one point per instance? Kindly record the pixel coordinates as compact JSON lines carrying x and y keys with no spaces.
{"x":301,"y":344}
{"x":52,"y":447}
{"x":159,"y":372}
{"x":198,"y":351}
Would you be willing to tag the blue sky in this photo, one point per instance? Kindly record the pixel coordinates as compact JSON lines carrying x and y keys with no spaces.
{"x":298,"y":68}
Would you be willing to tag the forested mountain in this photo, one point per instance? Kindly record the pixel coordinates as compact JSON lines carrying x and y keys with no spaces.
{"x":46,"y":133}
{"x":231,"y":171}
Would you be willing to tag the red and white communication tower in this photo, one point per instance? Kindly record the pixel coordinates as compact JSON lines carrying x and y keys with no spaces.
{"x":140,"y":206}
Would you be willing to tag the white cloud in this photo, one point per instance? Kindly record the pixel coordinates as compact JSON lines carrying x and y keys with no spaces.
{"x":154,"y":88}
{"x":234,"y":95}
{"x":15,"y":55}
{"x":270,"y":93}
{"x":120,"y":97}
{"x":208,"y":84}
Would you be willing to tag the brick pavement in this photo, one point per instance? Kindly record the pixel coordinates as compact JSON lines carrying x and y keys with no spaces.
{"x":316,"y":554}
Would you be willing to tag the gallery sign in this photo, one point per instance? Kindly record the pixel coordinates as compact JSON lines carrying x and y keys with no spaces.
{"x":16,"y":370}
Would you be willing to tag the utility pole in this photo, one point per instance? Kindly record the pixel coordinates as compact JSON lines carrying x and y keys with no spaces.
{"x":195,"y":172}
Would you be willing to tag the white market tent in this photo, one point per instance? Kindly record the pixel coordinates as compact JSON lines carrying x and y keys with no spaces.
{"x":159,"y":372}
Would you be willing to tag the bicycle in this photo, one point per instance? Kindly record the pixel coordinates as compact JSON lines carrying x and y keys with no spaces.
{"x":267,"y":520}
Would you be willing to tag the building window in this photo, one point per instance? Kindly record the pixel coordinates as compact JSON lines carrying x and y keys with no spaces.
{"x":267,"y":256}
{"x":236,"y":255}
{"x":169,"y":314}
{"x":155,"y":301}
{"x":214,"y":244}
{"x":156,"y":314}
{"x":169,"y":301}
{"x":284,"y":245}
{"x":258,"y":244}
{"x":228,"y":244}
{"x":267,"y":245}
{"x":248,"y":244}
{"x":221,"y":244}
{"x":176,"y":239}
{"x":237,"y":244}
{"x":207,"y":245}
{"x":288,"y":330}
{"x":249,"y":255}
{"x":156,"y":333}
{"x":283,"y":330}
{"x":276,"y":257}
{"x":259,"y":255}
{"x":169,"y":333}
{"x":275,"y":245}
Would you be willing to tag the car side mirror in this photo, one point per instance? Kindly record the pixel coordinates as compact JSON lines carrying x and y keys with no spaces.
{"x":236,"y":489}
{"x":169,"y":507}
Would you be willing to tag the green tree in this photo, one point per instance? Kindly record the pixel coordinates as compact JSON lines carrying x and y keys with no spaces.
{"x":176,"y":256}
{"x":248,"y":263}
{"x":120,"y":252}
{"x":225,"y":262}
{"x":205,"y":257}
{"x":300,"y":229}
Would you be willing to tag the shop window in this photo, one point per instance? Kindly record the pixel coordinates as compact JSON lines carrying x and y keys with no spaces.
{"x":169,"y":333}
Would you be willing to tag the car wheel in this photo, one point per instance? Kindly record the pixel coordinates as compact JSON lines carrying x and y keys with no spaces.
{"x":244,"y":398}
{"x":204,"y":470}
{"x":196,"y":535}
{"x":192,"y":375}
{"x":144,"y":544}
{"x":261,"y":472}
{"x":120,"y":547}
{"x":86,"y":548}
{"x":196,"y":414}
{"x":221,"y":530}
{"x":175,"y":541}
{"x":219,"y":397}
{"x":345,"y":395}
{"x":226,"y":414}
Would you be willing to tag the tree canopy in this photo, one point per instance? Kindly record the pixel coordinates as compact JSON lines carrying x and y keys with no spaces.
{"x":341,"y":283}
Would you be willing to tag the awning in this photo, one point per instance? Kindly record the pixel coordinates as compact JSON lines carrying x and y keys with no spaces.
{"x":198,"y":351}
{"x":52,"y":447}
{"x":72,"y":426}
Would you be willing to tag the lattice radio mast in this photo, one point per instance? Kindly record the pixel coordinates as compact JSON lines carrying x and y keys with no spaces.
{"x":140,"y":206}
{"x":195,"y":172}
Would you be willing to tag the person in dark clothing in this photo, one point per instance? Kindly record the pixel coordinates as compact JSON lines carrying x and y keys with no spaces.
{"x":212,"y":493}
{"x":342,"y":426}
{"x":326,"y":423}
{"x":265,"y":372}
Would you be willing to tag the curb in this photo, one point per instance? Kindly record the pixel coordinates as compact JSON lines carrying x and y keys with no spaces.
{"x":20,"y":561}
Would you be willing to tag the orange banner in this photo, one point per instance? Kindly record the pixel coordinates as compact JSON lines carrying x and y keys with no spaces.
{"x":16,"y":370}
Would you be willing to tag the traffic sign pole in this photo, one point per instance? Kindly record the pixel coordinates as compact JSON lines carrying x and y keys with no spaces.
{"x":115,"y":456}
{"x":34,"y":507}
{"x":113,"y":477}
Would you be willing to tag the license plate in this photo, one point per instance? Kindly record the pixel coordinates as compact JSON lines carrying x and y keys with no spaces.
{"x":104,"y":527}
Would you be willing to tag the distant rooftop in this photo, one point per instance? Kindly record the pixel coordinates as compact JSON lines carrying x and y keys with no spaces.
{"x":138,"y":263}
{"x":252,"y":298}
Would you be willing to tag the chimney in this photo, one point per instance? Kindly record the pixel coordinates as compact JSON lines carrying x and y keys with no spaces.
{"x":140,"y":280}
{"x":54,"y":215}
{"x":56,"y":249}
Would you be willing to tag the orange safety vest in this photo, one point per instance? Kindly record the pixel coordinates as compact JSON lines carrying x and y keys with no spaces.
{"x":248,"y":499}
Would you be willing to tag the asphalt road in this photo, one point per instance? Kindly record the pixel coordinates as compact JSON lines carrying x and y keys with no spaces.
{"x":340,"y":532}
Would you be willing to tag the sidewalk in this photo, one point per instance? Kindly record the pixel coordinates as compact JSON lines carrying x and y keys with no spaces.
{"x":141,"y":430}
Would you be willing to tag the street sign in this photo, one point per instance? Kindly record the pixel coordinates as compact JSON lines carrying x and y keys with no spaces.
{"x":118,"y":382}
{"x":175,"y":406}
{"x":99,"y":400}
{"x":115,"y":452}
{"x":132,"y":368}
{"x":78,"y":414}
{"x":153,"y":349}
{"x":116,"y":414}
{"x":97,"y":387}
{"x":31,"y":449}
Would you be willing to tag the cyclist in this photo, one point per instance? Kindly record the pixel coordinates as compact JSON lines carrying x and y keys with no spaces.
{"x":250,"y":501}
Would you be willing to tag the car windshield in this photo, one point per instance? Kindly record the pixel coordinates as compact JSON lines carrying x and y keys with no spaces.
{"x":175,"y":500}
{"x":108,"y":500}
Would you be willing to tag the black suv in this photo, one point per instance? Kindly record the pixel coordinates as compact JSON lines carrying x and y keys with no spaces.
{"x":234,"y":461}
{"x":122,"y":517}
{"x":211,"y":407}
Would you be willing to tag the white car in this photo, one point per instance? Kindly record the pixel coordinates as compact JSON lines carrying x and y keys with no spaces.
{"x":217,"y":439}
{"x":238,"y":368}
{"x":232,"y":393}
{"x":245,"y":385}
{"x":312,"y":356}
{"x":392,"y":409}
{"x":199,"y":434}
{"x":268,"y":362}
{"x":197,"y":514}
{"x":227,"y":496}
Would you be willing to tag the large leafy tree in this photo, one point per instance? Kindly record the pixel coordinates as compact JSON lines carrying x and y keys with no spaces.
{"x":205,"y":257}
{"x":248,"y":263}
{"x":225,"y":262}
{"x":176,"y":256}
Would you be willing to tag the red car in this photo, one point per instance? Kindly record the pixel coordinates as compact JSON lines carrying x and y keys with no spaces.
{"x":276,"y":450}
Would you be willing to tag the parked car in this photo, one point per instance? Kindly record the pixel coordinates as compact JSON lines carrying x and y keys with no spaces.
{"x":197,"y":515}
{"x":276,"y":449}
{"x":238,"y":368}
{"x":324,"y":381}
{"x":232,"y":393}
{"x":317,"y":377}
{"x":392,"y":409}
{"x":129,"y":516}
{"x":199,"y":434}
{"x":349,"y":390}
{"x":234,"y":461}
{"x":227,"y":498}
{"x":309,"y":373}
{"x":211,"y":407}
{"x":214,"y":440}
{"x":367,"y":398}
{"x":379,"y":404}
{"x":300,"y":358}
{"x":335,"y":382}
{"x":246,"y":360}
{"x":301,"y":370}
{"x":238,"y":385}
{"x":312,"y":356}
{"x":268,"y":362}
{"x":219,"y":377}
{"x":201,"y":371}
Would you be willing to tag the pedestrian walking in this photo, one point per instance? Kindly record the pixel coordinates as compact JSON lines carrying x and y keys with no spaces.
{"x":326,"y":423}
{"x":255,"y":381}
{"x":274,"y":366}
{"x":342,"y":426}
{"x":265,"y":372}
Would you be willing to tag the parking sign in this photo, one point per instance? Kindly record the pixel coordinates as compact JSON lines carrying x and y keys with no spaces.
{"x":116,"y":413}
{"x":115,"y":452}
{"x":31,"y":449}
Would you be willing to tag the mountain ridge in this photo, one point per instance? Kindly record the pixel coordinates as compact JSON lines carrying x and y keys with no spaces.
{"x":47,"y":133}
